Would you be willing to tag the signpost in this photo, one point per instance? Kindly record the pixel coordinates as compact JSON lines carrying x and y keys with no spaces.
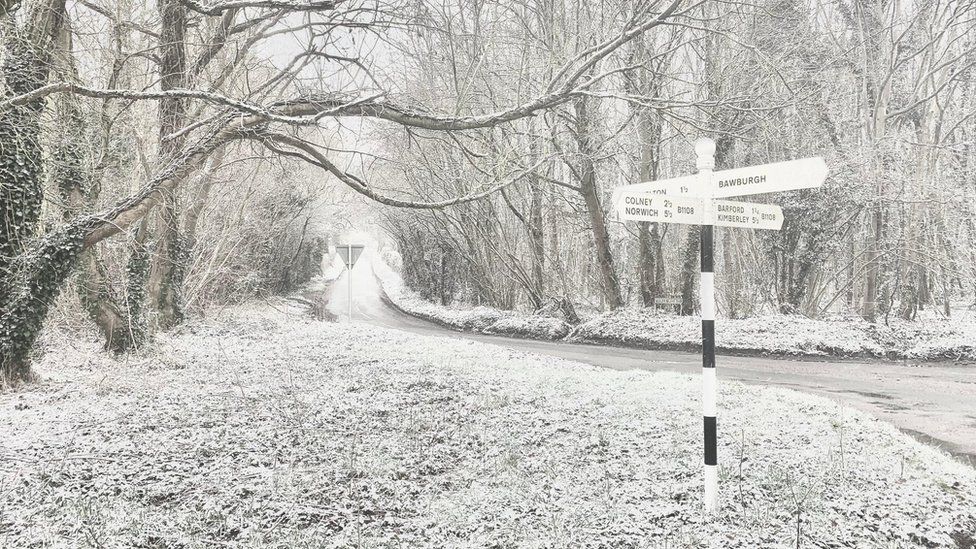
{"x":349,"y":253}
{"x":691,"y":200}
{"x":674,"y":302}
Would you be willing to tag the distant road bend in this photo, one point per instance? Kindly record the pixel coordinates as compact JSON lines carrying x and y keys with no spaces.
{"x":936,"y":403}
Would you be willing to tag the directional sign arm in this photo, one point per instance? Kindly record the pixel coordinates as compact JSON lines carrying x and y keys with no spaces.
{"x":805,"y":173}
{"x":641,"y":206}
{"x":791,"y":175}
{"x":747,"y":215}
{"x":689,"y":185}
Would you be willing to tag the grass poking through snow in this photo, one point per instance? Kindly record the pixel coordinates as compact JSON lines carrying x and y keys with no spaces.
{"x":262,"y":428}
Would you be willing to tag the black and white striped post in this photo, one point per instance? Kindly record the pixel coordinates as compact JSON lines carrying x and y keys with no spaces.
{"x":705,"y":151}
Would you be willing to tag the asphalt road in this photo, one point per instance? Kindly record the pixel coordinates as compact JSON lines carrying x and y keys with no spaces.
{"x":935,"y":403}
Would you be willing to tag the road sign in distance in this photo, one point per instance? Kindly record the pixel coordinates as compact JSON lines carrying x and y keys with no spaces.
{"x":349,"y":253}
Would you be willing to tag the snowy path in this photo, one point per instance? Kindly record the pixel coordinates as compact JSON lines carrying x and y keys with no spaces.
{"x":935,"y":403}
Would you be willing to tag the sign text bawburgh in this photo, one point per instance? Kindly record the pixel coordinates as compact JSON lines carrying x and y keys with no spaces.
{"x":741,"y":181}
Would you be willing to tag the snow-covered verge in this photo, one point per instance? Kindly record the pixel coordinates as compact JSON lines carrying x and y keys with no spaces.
{"x":794,"y":335}
{"x":778,"y":334}
{"x":476,"y":319}
{"x":952,"y":339}
{"x":258,"y":427}
{"x":930,"y":339}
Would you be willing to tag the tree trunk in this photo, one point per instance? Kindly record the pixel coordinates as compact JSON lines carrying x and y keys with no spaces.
{"x":650,"y":266}
{"x":731,"y":277}
{"x":876,"y":95}
{"x":40,"y":278}
{"x":169,"y":266}
{"x":204,"y":184}
{"x":78,"y":189}
{"x":92,"y":284}
{"x":869,"y":307}
{"x":537,"y":239}
{"x":26,"y":66}
{"x":610,"y":284}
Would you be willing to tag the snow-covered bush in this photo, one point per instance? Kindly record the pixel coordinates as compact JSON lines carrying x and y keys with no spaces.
{"x":533,"y":326}
{"x":773,"y":334}
{"x":925,"y":339}
{"x":937,"y":338}
{"x":777,"y":334}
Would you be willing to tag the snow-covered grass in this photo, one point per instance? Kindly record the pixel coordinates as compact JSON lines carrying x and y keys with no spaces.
{"x":477,"y":319}
{"x":259,"y":427}
{"x":929,"y":339}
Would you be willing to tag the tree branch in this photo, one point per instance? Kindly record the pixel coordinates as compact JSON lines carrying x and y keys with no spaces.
{"x":315,"y":157}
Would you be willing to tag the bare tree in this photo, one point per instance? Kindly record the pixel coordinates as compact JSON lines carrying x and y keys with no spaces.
{"x":35,"y":272}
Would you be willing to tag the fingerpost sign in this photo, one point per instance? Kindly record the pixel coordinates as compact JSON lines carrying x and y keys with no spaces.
{"x":693,"y":200}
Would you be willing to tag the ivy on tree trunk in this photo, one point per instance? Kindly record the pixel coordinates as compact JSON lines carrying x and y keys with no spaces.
{"x":28,"y":282}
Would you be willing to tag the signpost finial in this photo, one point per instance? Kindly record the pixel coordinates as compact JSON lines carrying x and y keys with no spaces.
{"x":705,"y":149}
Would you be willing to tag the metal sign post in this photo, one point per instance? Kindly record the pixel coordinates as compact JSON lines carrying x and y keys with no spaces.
{"x":349,"y":282}
{"x":350,"y":255}
{"x":691,"y":200}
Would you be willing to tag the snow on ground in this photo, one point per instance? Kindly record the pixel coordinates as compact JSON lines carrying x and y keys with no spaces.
{"x":259,"y":427}
{"x":931,"y":338}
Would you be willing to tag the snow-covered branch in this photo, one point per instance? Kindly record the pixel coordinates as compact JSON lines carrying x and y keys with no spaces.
{"x":307,"y":152}
{"x":219,"y":8}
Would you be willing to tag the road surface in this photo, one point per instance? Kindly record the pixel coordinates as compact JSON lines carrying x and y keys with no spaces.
{"x":935,"y":403}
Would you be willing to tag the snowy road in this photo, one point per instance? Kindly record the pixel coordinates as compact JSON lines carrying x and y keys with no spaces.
{"x":935,"y":403}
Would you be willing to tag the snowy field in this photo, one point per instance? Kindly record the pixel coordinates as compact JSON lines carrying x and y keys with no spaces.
{"x":930,"y":338}
{"x":259,"y":427}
